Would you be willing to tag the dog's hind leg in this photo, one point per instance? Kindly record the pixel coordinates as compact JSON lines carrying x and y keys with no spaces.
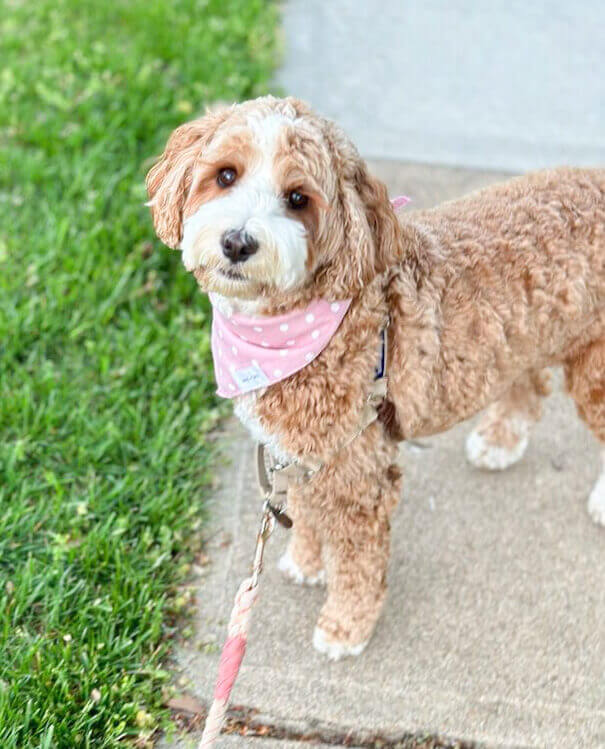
{"x":500,"y":438}
{"x":585,"y":380}
{"x":302,"y":562}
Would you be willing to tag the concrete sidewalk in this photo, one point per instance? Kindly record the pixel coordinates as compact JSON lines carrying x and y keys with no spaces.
{"x":494,"y":628}
{"x":511,"y":85}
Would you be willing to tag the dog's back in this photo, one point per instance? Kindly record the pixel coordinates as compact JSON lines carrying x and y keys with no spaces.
{"x":553,"y":216}
{"x":513,"y":279}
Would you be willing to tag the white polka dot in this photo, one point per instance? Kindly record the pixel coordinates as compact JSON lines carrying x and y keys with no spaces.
{"x":258,"y":330}
{"x":254,"y":363}
{"x":309,"y":355}
{"x":231,"y":387}
{"x":310,"y":317}
{"x":335,"y":307}
{"x":290,"y":343}
{"x":283,"y":327}
{"x":283,"y":352}
{"x":315,"y":334}
{"x":234,"y":349}
{"x":277,"y":372}
{"x":220,"y":353}
{"x":244,"y":338}
{"x":234,"y":322}
{"x":220,"y":334}
{"x":232,"y":367}
{"x":264,"y":343}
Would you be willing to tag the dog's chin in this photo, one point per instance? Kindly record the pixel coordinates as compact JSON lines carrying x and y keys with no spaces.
{"x":227,"y":281}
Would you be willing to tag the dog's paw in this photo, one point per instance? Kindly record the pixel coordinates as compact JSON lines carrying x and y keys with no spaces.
{"x":596,"y":501}
{"x":483,"y":453}
{"x":333,"y":649}
{"x":293,"y":572}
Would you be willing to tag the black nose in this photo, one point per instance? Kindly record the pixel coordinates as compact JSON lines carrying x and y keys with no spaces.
{"x":238,"y":246}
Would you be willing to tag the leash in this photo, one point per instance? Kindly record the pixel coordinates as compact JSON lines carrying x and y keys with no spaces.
{"x":273,"y":481}
{"x":274,"y":478}
{"x":234,"y":648}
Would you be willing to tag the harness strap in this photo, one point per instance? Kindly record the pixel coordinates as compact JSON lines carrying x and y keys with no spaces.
{"x":378,"y":392}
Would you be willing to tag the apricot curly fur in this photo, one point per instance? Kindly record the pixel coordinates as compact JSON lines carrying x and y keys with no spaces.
{"x":483,"y":294}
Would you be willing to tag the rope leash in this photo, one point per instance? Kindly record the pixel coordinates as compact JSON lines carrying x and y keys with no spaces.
{"x":234,"y":648}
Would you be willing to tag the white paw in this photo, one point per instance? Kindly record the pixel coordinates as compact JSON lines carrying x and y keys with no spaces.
{"x":482,"y":454}
{"x":292,"y":571}
{"x":596,"y":501}
{"x":335,"y":650}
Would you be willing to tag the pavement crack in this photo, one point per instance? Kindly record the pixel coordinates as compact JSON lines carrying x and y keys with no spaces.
{"x":251,"y":723}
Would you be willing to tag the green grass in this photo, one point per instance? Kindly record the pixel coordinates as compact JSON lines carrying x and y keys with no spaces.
{"x":105,"y":382}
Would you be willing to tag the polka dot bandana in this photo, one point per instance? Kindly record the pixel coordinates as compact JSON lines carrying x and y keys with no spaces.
{"x":254,"y":352}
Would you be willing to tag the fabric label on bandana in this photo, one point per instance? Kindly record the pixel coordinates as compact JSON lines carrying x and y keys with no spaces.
{"x":254,"y":352}
{"x":250,"y":378}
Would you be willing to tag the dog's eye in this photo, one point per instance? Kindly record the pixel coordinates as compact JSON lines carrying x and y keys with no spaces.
{"x":226,"y":177}
{"x":296,"y":200}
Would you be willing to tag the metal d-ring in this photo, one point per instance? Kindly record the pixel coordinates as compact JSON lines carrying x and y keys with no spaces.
{"x":266,"y":482}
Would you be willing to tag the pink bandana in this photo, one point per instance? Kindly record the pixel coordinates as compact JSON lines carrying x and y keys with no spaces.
{"x":254,"y":352}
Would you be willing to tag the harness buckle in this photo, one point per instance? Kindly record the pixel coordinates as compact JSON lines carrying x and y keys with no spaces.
{"x":273,"y":482}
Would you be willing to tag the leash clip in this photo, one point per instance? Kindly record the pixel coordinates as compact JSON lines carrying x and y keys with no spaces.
{"x":273,"y":483}
{"x":280,"y":515}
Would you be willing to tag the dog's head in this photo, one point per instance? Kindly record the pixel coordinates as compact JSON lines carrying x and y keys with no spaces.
{"x":266,"y":197}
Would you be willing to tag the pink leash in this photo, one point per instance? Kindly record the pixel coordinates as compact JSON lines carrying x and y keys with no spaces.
{"x":234,"y":648}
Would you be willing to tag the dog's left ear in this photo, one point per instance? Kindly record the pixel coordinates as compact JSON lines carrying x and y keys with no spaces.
{"x":370,"y":236}
{"x":365,"y":239}
{"x":381,"y":218}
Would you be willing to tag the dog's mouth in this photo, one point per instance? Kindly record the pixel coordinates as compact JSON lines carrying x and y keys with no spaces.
{"x":226,"y":280}
{"x":233,"y":274}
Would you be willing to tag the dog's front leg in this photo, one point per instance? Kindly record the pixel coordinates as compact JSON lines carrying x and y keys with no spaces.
{"x":302,"y":561}
{"x":356,"y":498}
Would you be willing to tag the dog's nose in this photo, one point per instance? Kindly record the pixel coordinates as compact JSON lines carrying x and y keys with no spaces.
{"x":238,"y":246}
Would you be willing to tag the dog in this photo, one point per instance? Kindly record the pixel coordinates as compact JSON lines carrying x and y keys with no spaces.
{"x":274,"y":211}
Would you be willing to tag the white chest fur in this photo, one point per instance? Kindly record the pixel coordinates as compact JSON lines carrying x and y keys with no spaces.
{"x":245,"y":408}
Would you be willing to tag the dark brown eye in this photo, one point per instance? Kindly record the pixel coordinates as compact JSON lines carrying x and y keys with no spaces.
{"x":226,"y":177}
{"x":296,"y":200}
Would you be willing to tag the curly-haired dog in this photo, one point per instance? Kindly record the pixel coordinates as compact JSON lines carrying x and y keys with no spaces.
{"x":275,"y":210}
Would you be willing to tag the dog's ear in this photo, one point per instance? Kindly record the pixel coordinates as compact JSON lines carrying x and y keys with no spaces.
{"x":368,"y":234}
{"x":169,"y":181}
{"x":381,"y":218}
{"x":364,"y":239}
